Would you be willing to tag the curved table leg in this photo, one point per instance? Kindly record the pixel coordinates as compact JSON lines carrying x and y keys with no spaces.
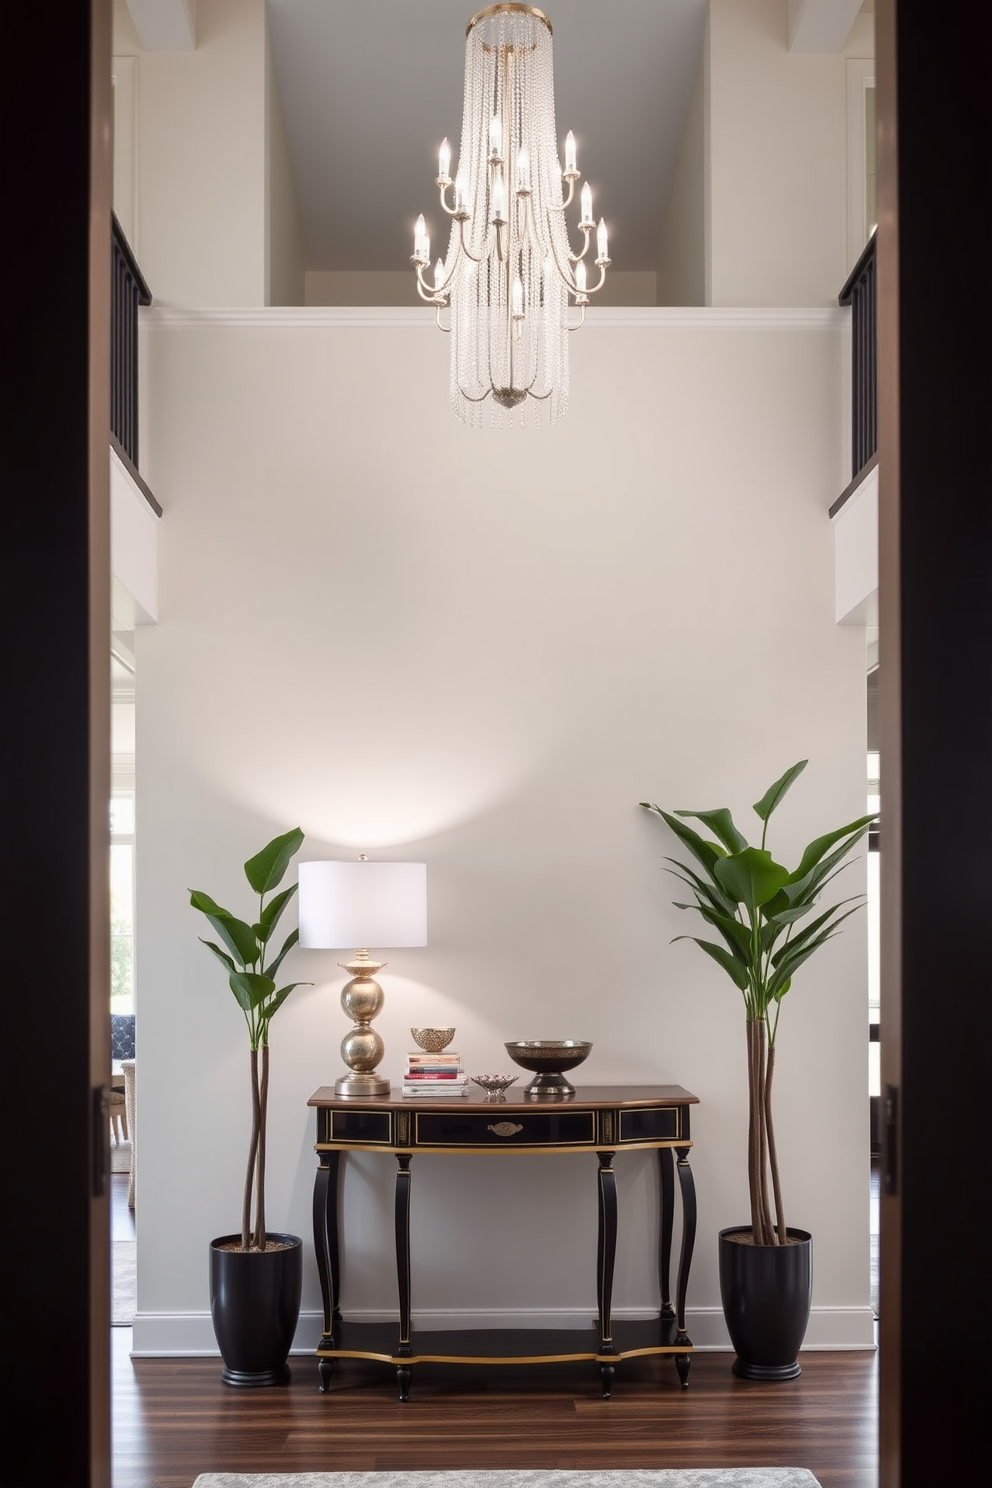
{"x":688,"y":1189}
{"x":606,"y":1261}
{"x":326,"y":1249}
{"x":666,"y":1218}
{"x":404,"y":1180}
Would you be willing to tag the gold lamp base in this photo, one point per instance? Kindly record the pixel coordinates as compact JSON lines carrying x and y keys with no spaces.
{"x":361,"y":1048}
{"x":358,"y":1086}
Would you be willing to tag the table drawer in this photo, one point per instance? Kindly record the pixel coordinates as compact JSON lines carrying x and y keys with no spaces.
{"x":372,"y":1128}
{"x":656,"y":1125}
{"x":512,"y":1129}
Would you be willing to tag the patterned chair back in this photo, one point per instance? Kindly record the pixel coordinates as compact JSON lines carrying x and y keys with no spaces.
{"x":122,"y":1035}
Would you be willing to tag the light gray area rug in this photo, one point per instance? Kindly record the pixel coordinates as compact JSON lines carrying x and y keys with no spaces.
{"x":120,"y":1157}
{"x":124,"y":1283}
{"x":710,"y":1477}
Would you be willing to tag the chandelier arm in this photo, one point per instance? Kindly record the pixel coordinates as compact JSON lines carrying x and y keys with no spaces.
{"x":430,"y":292}
{"x":434,"y":291}
{"x":563,"y":275}
{"x":568,"y":200}
{"x":579,"y":323}
{"x":575,"y":257}
{"x":442,"y":187}
{"x":464,"y":248}
{"x":438,"y":307}
{"x":592,"y":288}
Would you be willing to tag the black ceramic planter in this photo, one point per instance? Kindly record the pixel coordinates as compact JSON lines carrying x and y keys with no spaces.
{"x":255,"y":1306}
{"x":766,"y":1292}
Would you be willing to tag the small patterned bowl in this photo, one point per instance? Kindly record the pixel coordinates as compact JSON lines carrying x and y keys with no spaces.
{"x":432,"y":1040}
{"x":495,"y":1086}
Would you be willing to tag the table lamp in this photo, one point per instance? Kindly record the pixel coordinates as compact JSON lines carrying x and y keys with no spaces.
{"x":362,"y":904}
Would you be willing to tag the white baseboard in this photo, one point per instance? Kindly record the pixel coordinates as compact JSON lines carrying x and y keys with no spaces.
{"x":187,"y":1335}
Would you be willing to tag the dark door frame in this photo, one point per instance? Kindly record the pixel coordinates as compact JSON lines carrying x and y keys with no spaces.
{"x":55,"y":594}
{"x":935,"y":181}
{"x":934,"y":100}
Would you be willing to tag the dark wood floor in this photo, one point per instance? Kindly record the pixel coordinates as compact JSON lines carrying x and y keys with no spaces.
{"x":173,"y":1418}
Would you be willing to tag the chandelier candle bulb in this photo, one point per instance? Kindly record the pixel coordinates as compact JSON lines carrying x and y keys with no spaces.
{"x":602,"y":245}
{"x":444,"y":164}
{"x":499,"y":204}
{"x":585,"y":198}
{"x":495,"y":138}
{"x":421,"y":242}
{"x":523,"y":174}
{"x":571,"y":169}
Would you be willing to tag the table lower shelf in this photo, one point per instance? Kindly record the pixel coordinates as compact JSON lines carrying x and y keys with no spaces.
{"x":496,"y":1346}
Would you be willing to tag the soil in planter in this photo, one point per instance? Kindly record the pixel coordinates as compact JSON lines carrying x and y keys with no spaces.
{"x":254,"y":1249}
{"x":746,"y":1237}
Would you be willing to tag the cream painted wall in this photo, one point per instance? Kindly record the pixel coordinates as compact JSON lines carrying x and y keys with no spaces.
{"x":778,"y":178}
{"x":201,"y":147}
{"x":682,"y":259}
{"x":285,"y":252}
{"x":422,"y":641}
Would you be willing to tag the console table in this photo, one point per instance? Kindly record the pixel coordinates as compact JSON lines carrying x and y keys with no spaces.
{"x":598,"y":1121}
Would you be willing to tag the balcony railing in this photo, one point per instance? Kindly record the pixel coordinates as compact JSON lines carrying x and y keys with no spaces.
{"x":128,"y":290}
{"x":860,"y":293}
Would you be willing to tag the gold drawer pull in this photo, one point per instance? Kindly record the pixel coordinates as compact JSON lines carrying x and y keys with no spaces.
{"x":505,"y":1128}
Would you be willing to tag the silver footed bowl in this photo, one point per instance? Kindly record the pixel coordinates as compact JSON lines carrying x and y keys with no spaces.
{"x":495,"y":1086}
{"x":432,"y":1040}
{"x":548,"y":1059}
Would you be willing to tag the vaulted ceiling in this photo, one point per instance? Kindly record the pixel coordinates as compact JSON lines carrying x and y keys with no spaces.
{"x":369,"y":88}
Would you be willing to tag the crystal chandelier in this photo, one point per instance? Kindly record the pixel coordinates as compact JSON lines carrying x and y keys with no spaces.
{"x":509,"y":270}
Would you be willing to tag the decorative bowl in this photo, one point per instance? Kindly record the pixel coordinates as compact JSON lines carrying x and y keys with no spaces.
{"x":548,"y":1059}
{"x":432,"y":1040}
{"x":495,"y":1086}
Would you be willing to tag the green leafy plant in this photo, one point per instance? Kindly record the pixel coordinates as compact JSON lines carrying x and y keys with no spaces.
{"x":251,"y":976}
{"x":757,"y":906}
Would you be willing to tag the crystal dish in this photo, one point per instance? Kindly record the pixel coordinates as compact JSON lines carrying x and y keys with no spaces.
{"x":495,"y":1086}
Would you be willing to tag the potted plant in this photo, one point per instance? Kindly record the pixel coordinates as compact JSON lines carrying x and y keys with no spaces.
{"x":760,"y":912}
{"x":256,"y":1277}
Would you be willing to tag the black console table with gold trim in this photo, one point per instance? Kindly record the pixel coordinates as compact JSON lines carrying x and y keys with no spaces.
{"x":601,"y":1121}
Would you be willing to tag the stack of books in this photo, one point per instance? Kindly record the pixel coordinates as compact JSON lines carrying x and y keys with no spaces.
{"x":438,"y":1075}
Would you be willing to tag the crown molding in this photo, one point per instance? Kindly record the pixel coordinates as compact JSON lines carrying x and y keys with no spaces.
{"x":307,"y":317}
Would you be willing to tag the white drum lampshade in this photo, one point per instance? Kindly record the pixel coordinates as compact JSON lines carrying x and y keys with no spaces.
{"x":362,"y":905}
{"x":346,"y":906}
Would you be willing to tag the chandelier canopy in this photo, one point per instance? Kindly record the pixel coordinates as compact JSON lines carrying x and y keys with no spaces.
{"x":509,"y":270}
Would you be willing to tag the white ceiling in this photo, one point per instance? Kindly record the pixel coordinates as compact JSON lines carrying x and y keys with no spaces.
{"x":370,"y":87}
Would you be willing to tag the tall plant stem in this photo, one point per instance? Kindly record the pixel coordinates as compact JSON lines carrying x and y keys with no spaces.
{"x":751,"y":1132}
{"x":263,"y":1105}
{"x":772,"y":1152}
{"x":755,"y":1154}
{"x":252,"y":1155}
{"x":766,"y":1210}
